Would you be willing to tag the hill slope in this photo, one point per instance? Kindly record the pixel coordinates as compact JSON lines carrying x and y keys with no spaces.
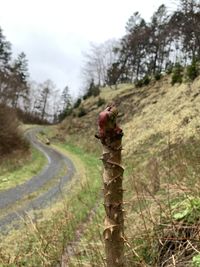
{"x":158,"y":109}
{"x":161,"y":154}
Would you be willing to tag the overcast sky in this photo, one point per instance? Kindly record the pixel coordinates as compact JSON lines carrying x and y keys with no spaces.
{"x":55,"y":33}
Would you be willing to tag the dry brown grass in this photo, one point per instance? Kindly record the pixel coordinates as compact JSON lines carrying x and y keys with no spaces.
{"x":167,"y":111}
{"x":10,"y":138}
{"x":153,"y":112}
{"x":157,"y":236}
{"x":161,"y":151}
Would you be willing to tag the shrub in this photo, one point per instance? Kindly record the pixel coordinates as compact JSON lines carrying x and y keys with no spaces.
{"x":101,"y":101}
{"x":82,"y":112}
{"x":10,"y":138}
{"x":93,"y":90}
{"x":177,"y":75}
{"x":192,"y":70}
{"x":77,"y":103}
{"x":146,"y":80}
{"x":138,"y":83}
{"x":169,"y":68}
{"x":85,"y":96}
{"x":96,"y":90}
{"x":157,"y":76}
{"x":65,"y":113}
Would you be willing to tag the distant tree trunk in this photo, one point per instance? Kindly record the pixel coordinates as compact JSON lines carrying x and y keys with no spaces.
{"x":44,"y":105}
{"x":111,"y":135}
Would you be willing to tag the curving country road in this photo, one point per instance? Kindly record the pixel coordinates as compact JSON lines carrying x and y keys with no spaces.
{"x":56,"y":161}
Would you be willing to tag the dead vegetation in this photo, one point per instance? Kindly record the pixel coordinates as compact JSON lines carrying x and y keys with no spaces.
{"x":10,"y":138}
{"x":157,"y":109}
{"x":162,"y":200}
{"x":161,"y":148}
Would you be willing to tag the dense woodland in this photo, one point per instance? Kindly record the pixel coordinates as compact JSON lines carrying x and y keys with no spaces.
{"x":168,"y":43}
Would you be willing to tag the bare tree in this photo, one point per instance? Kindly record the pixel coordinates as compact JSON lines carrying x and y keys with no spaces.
{"x":43,"y":104}
{"x":97,"y":61}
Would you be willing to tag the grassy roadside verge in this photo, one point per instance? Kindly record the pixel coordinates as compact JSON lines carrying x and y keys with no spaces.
{"x":19,"y":167}
{"x":15,"y":174}
{"x":41,"y":243}
{"x":27,"y":199}
{"x":169,"y":214}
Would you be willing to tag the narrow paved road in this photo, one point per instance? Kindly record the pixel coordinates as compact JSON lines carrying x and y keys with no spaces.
{"x":56,"y":161}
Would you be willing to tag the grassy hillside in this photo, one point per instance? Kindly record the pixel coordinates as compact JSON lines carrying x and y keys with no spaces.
{"x":161,"y":154}
{"x":162,"y":182}
{"x":171,"y":112}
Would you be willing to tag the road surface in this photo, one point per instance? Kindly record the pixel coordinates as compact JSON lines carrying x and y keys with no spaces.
{"x":9,"y":198}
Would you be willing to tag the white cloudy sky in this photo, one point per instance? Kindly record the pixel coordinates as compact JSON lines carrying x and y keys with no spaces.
{"x":55,"y":33}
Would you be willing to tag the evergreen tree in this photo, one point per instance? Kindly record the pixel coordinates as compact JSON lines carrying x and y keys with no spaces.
{"x":5,"y":51}
{"x":19,"y":89}
{"x":177,"y":74}
{"x":192,"y":70}
{"x":65,"y":104}
{"x":158,"y":48}
{"x":92,"y":90}
{"x":5,"y":57}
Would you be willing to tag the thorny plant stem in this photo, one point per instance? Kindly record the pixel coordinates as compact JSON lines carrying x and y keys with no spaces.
{"x":111,"y":136}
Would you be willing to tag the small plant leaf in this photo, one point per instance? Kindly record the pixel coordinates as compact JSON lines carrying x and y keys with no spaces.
{"x":196,"y":261}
